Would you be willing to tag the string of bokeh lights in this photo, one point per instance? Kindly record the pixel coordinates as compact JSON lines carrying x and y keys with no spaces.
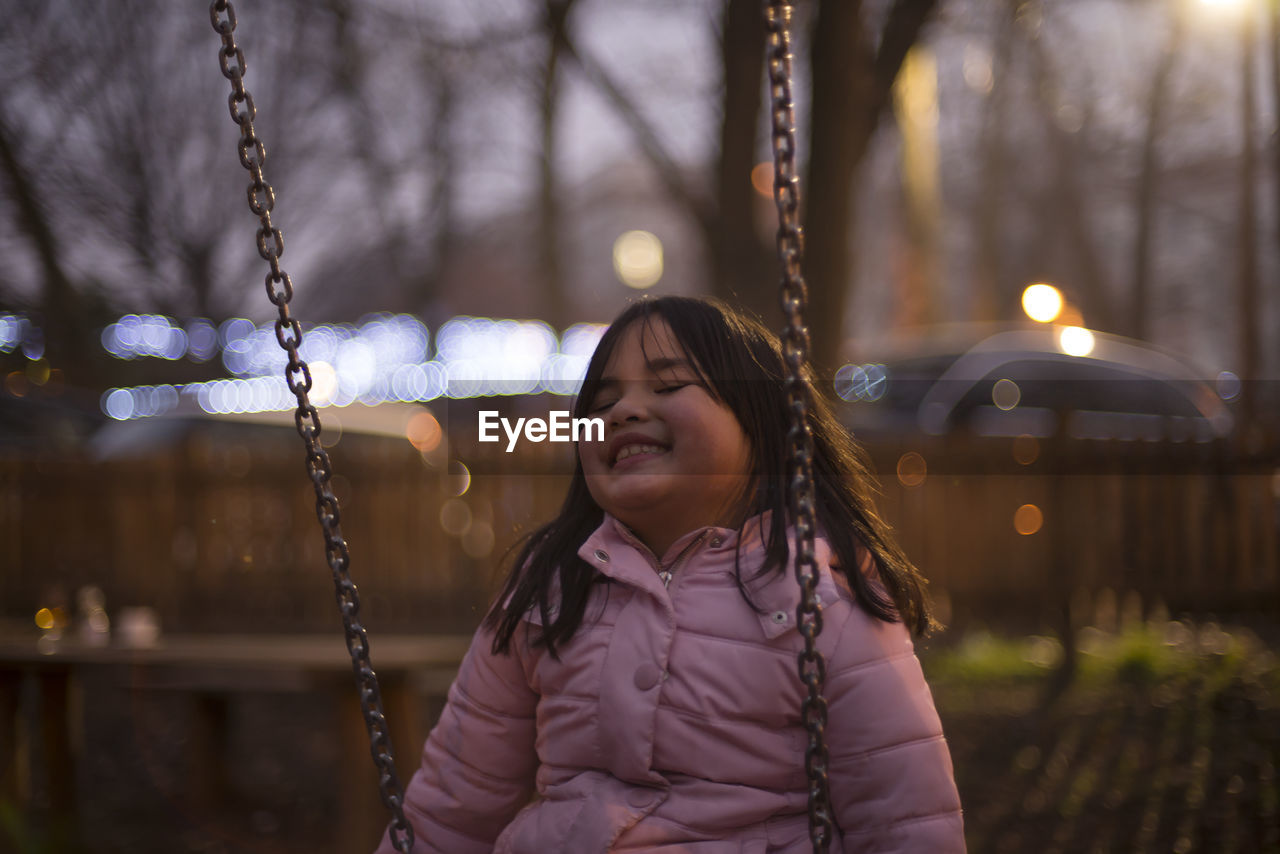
{"x":382,"y":358}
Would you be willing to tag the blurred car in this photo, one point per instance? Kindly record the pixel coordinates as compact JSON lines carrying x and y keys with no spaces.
{"x":1044,"y":381}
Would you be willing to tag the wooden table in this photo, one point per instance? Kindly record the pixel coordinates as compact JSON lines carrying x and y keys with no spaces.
{"x":214,"y":669}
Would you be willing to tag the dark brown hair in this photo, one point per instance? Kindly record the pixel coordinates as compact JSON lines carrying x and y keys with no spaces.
{"x":742,"y":365}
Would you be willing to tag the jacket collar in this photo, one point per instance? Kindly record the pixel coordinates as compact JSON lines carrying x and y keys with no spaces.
{"x":619,"y":554}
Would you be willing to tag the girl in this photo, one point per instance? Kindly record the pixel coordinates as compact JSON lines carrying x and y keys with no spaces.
{"x":634,"y":688}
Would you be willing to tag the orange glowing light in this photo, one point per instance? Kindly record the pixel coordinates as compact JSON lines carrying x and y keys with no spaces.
{"x":762,"y":178}
{"x":423,"y":432}
{"x":44,"y":619}
{"x":16,"y":384}
{"x":1028,"y":519}
{"x":912,"y":469}
{"x":1042,"y":302}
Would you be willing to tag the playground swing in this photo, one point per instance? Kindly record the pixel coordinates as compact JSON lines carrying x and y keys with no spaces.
{"x":795,"y":346}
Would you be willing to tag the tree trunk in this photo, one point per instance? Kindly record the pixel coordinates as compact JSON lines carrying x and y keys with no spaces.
{"x":443,"y":158}
{"x":917,"y":274}
{"x":68,"y":342}
{"x":1272,"y":404}
{"x":840,"y":132}
{"x":1139,"y":306}
{"x":990,"y":300}
{"x":550,"y":266}
{"x":851,"y":86}
{"x":742,"y":267}
{"x":1247,"y":302}
{"x":1067,"y":210}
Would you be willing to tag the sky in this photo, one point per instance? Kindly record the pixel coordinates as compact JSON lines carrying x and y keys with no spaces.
{"x":664,"y":54}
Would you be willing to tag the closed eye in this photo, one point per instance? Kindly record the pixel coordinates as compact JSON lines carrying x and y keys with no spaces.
{"x":667,"y":389}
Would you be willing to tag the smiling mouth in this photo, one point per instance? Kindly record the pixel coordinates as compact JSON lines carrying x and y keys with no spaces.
{"x":638,"y":450}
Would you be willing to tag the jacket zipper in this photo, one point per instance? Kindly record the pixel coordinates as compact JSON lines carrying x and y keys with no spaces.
{"x":665,"y":575}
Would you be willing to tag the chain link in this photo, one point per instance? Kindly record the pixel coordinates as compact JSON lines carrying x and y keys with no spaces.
{"x":270,"y":241}
{"x":795,"y":349}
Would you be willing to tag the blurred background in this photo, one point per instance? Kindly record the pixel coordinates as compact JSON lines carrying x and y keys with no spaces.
{"x":1043,"y":249}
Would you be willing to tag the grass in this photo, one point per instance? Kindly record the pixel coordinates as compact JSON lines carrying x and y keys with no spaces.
{"x":1142,"y":654}
{"x":1166,"y":738}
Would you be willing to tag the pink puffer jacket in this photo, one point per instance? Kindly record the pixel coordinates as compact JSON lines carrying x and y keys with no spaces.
{"x":671,"y":723}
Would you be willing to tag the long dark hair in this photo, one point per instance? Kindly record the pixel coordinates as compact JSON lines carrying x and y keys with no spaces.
{"x":742,"y":365}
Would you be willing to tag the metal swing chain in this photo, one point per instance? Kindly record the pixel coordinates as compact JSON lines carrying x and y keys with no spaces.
{"x":795,"y":349}
{"x":298,"y":377}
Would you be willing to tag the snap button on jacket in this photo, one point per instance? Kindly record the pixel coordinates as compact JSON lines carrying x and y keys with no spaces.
{"x":671,"y":722}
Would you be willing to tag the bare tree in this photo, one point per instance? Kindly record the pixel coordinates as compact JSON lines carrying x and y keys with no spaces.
{"x":551,"y":268}
{"x":989,"y":291}
{"x":123,"y":149}
{"x":1246,"y":229}
{"x":1148,"y":179}
{"x":743,"y":268}
{"x":853,"y":66}
{"x":853,"y":69}
{"x":1067,"y":213}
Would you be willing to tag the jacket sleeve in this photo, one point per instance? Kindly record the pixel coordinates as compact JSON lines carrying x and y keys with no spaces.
{"x":479,"y":762}
{"x":892,"y":786}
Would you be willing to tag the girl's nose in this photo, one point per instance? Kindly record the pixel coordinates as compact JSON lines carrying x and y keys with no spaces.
{"x":629,"y":407}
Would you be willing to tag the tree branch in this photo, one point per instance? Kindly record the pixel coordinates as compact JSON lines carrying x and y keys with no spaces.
{"x":901,"y":31}
{"x":67,"y":327}
{"x":654,"y":151}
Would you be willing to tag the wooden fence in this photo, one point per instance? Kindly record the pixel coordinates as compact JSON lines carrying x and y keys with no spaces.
{"x":216,"y":530}
{"x":1190,"y":528}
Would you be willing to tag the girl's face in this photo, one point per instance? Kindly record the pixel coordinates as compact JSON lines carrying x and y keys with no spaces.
{"x":673,"y":458}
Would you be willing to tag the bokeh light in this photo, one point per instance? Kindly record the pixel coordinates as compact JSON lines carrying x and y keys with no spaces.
{"x":1026,"y":449}
{"x":976,"y":69}
{"x":16,"y":383}
{"x":140,"y":335}
{"x":1005,"y":394}
{"x":423,"y":432}
{"x":1228,"y":385}
{"x":331,"y":432}
{"x":127,"y":404}
{"x":458,"y":478}
{"x":762,"y":178}
{"x":1027,"y":519}
{"x":455,"y":517}
{"x":11,"y":329}
{"x":324,"y":382}
{"x":38,"y":371}
{"x":1075,"y":341}
{"x":637,"y":259}
{"x":1231,"y":9}
{"x":912,"y":469}
{"x":1042,"y":303}
{"x":861,"y":382}
{"x":382,"y":358}
{"x":478,"y":540}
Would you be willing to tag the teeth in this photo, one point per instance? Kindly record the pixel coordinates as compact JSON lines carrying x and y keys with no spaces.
{"x":632,"y":450}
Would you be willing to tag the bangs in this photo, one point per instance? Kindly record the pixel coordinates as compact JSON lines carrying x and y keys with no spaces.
{"x":693,"y":337}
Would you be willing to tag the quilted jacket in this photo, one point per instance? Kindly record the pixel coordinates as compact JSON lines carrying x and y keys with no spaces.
{"x":671,"y":722}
